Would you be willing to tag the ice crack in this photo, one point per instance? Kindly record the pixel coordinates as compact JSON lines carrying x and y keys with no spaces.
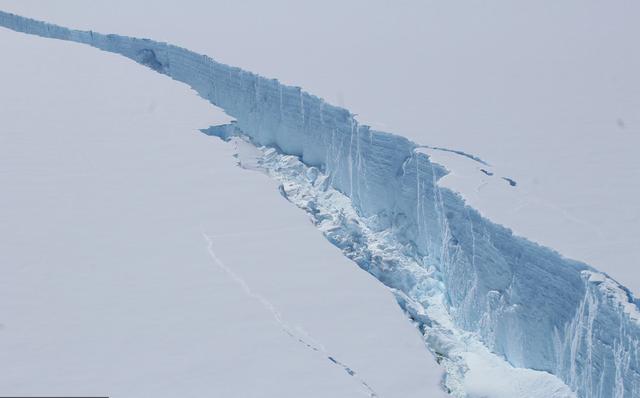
{"x":478,"y":292}
{"x":293,"y":332}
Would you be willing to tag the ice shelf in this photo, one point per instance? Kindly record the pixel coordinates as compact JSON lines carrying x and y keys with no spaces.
{"x":522,"y":302}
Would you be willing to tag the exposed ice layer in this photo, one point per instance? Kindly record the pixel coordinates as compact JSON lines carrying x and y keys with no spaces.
{"x":523,"y":301}
{"x":471,"y":369}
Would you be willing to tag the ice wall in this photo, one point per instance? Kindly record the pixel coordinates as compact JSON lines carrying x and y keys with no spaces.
{"x":527,"y":303}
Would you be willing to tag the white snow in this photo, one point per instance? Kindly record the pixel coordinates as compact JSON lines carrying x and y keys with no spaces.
{"x":137,"y":260}
{"x":547,"y":92}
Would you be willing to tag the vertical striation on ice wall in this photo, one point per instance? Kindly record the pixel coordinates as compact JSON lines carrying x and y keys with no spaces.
{"x":526,"y":303}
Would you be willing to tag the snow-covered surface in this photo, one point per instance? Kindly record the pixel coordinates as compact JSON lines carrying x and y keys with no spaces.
{"x":476,"y":259}
{"x":547,"y":92}
{"x":136,"y":259}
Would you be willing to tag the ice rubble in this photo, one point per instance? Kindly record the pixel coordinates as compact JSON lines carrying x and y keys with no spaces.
{"x":471,"y":370}
{"x":471,"y":286}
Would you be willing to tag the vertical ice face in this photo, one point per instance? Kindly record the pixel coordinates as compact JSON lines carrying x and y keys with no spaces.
{"x":525,"y":302}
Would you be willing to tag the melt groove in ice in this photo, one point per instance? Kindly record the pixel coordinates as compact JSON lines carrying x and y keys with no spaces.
{"x":522,"y":301}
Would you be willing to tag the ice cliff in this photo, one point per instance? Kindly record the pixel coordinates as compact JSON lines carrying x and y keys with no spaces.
{"x":469,"y":284}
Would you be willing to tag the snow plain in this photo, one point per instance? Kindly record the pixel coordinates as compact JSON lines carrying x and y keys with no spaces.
{"x":553,"y":108}
{"x":139,"y":260}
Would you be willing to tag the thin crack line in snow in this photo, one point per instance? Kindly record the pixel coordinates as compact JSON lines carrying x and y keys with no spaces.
{"x":457,"y":152}
{"x":290,"y":331}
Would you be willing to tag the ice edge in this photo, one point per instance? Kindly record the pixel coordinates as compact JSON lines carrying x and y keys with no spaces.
{"x":523,"y":301}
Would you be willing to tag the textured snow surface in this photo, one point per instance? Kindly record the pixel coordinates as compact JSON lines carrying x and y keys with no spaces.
{"x":523,"y":301}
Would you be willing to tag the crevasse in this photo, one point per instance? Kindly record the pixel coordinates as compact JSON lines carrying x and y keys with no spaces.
{"x":521,"y":301}
{"x":417,"y":287}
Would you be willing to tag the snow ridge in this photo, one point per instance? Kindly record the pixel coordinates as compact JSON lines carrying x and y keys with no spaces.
{"x":523,"y":302}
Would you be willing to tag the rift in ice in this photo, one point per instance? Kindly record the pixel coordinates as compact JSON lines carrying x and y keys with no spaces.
{"x":473,"y":288}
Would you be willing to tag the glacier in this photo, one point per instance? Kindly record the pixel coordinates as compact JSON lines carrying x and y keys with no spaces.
{"x":481,"y":296}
